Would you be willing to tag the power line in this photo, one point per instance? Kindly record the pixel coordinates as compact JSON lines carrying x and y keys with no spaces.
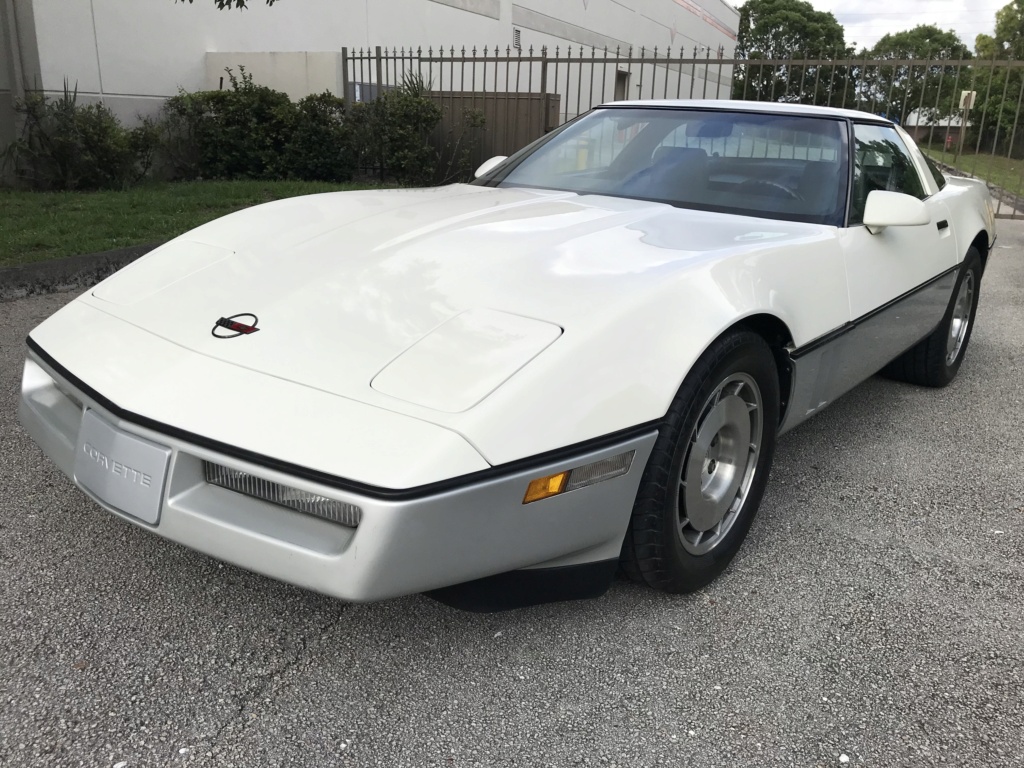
{"x":962,"y":12}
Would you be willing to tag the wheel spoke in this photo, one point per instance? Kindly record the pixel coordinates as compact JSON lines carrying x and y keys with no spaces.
{"x":718,"y":465}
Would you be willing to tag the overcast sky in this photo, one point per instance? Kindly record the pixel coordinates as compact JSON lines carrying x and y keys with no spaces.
{"x":866,"y":21}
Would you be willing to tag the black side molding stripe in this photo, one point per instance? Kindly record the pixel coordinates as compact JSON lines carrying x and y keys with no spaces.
{"x":844,"y":329}
{"x":340,"y":483}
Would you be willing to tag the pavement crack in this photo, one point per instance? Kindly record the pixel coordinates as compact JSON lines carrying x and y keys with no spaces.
{"x":302,"y":646}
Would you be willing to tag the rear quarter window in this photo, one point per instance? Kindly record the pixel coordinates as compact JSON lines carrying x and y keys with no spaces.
{"x":940,"y":180}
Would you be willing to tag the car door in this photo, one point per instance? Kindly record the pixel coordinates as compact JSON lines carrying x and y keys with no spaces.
{"x":901,"y":278}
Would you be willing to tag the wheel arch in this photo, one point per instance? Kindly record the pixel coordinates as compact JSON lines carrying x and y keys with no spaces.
{"x":780,"y":339}
{"x":981,"y":243}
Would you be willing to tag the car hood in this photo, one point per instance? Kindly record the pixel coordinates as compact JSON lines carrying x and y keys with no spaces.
{"x":432,"y":296}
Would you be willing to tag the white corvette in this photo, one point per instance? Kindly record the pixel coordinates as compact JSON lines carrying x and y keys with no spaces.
{"x":502,"y":392}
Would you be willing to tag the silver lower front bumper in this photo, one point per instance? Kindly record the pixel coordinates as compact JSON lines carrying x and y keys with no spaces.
{"x":405,"y":543}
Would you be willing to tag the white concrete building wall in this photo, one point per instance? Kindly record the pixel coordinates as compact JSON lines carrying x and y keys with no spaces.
{"x":132,"y":54}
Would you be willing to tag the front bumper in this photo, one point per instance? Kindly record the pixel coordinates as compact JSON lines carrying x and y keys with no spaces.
{"x":406,"y":542}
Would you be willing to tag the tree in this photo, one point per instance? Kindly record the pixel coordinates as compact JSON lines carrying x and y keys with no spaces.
{"x":783,"y":29}
{"x":898,"y":90}
{"x":986,"y":47}
{"x":996,"y":118}
{"x":239,"y":4}
{"x":1008,"y":40}
{"x":789,"y":29}
{"x":923,"y":41}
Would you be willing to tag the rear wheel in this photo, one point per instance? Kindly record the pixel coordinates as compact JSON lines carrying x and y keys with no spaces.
{"x":706,"y":476}
{"x":935,"y":361}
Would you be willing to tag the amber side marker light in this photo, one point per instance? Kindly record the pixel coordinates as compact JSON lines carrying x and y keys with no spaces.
{"x":543,"y":487}
{"x":578,"y":477}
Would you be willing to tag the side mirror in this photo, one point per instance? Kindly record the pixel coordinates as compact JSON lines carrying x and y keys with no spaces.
{"x":894,"y":209}
{"x":489,"y":165}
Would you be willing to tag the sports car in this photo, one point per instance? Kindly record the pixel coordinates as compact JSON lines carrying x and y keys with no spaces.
{"x":504,"y":392}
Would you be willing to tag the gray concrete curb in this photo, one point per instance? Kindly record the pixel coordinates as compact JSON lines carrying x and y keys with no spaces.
{"x":67,"y":274}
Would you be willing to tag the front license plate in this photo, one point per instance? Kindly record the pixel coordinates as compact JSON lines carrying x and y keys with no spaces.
{"x":121,"y":470}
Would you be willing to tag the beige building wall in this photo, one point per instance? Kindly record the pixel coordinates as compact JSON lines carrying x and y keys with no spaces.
{"x":133,"y":54}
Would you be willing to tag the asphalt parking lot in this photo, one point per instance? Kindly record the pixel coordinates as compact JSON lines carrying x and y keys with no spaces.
{"x":874,"y":617}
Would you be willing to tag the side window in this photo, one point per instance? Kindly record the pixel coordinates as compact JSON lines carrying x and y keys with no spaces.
{"x":882,"y":162}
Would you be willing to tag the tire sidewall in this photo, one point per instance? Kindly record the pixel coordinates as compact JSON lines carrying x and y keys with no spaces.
{"x":751,"y":356}
{"x":971,"y":263}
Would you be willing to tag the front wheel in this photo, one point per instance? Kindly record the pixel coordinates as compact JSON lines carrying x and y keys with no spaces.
{"x":709,"y":467}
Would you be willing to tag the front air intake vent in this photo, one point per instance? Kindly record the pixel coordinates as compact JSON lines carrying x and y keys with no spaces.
{"x":282,"y":495}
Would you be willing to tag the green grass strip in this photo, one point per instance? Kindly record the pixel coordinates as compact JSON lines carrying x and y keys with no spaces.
{"x":1006,"y":173}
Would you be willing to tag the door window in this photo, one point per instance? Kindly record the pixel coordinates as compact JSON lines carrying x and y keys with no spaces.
{"x":882,"y":162}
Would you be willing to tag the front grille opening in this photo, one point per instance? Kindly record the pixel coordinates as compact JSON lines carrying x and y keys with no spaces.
{"x":308,"y":503}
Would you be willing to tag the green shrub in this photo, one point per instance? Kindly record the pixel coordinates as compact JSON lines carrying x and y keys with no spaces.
{"x":457,"y":146}
{"x":65,"y":145}
{"x":247,"y":131}
{"x":395,"y":131}
{"x":320,"y":148}
{"x":237,"y":133}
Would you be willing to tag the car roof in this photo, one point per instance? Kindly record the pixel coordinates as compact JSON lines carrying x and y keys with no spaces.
{"x":770,"y":107}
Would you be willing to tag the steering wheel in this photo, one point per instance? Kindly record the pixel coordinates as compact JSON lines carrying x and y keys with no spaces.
{"x":751,"y":185}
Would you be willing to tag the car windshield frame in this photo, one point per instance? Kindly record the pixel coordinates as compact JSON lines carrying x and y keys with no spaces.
{"x":796,"y":181}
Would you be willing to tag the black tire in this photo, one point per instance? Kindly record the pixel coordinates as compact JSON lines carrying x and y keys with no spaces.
{"x":935,"y":360}
{"x":659,"y":549}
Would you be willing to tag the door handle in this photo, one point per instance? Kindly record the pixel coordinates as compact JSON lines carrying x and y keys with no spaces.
{"x":942,"y":225}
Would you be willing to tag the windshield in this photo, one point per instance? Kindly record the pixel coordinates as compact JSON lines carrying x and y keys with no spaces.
{"x":771,"y":166}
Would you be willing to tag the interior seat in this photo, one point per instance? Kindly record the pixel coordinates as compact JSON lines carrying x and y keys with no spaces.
{"x":819,"y":185}
{"x":674,"y":173}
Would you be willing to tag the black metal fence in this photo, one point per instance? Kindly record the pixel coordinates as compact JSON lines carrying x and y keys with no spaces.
{"x":966,"y":113}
